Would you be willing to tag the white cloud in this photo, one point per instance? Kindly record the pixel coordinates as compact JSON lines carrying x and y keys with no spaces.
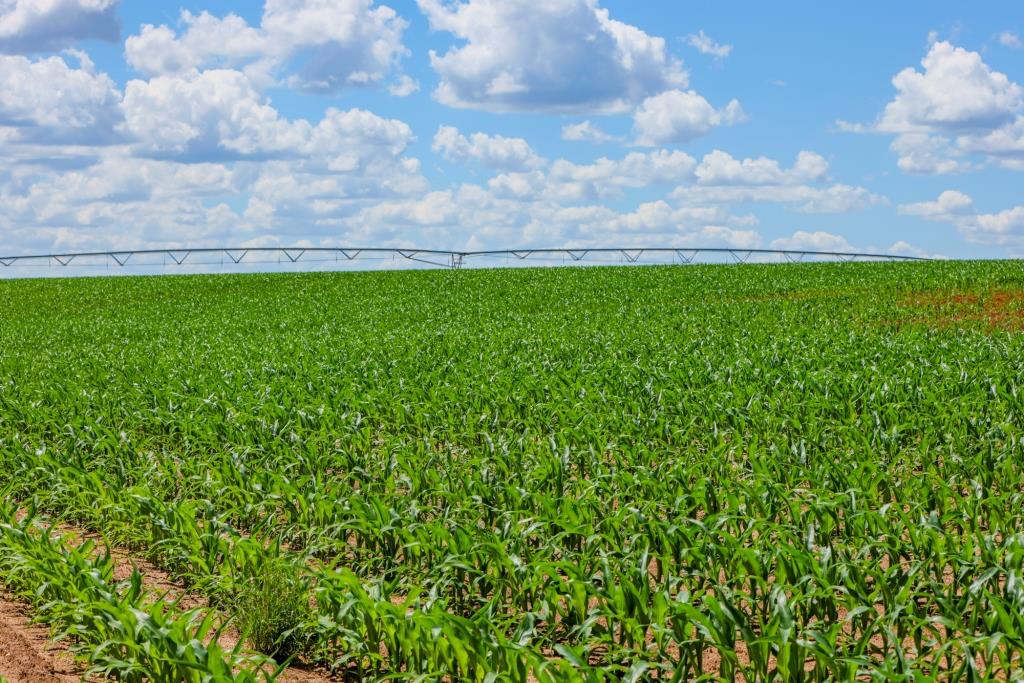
{"x":950,"y":203}
{"x":676,"y":116}
{"x":473,"y":217}
{"x":28,"y":26}
{"x":560,"y":55}
{"x":517,"y":185}
{"x":1008,"y":223}
{"x":116,"y":179}
{"x":123,"y":202}
{"x":717,"y":180}
{"x":1011,"y":40}
{"x":957,"y":92}
{"x":302,"y":195}
{"x":404,"y":86}
{"x":924,"y":153}
{"x":158,"y":51}
{"x":838,"y":199}
{"x":494,"y":151}
{"x":818,"y":240}
{"x":802,"y":198}
{"x":315,"y":45}
{"x":1004,"y":228}
{"x":956,"y":107}
{"x":720,"y":168}
{"x":722,"y":179}
{"x":608,"y":178}
{"x":1005,"y":144}
{"x":214,"y":113}
{"x":844,"y":126}
{"x":218,"y":114}
{"x":49,"y":102}
{"x":703,"y":44}
{"x":660,"y":217}
{"x":585,"y":131}
{"x":434,"y":208}
{"x":904,"y":248}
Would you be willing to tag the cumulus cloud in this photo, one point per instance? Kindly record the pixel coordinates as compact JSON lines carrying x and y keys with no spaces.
{"x":494,"y":151}
{"x":950,"y":203}
{"x":659,"y":217}
{"x":704,"y":45}
{"x":606,"y":178}
{"x":1011,"y":40}
{"x":802,"y":198}
{"x":928,"y":154}
{"x":473,"y":217}
{"x":585,"y":131}
{"x":676,"y":116}
{"x":48,"y":101}
{"x":126,"y":201}
{"x":904,"y":248}
{"x":215,"y":113}
{"x":721,"y":179}
{"x":314,"y":45}
{"x":821,"y":240}
{"x":404,"y":86}
{"x":721,"y":168}
{"x":121,"y":202}
{"x":718,"y":179}
{"x":956,"y":92}
{"x":817,"y":240}
{"x":218,"y":114}
{"x":28,"y":26}
{"x":1006,"y":144}
{"x":1003,"y":228}
{"x":562,"y":55}
{"x":207,"y":40}
{"x":956,"y":107}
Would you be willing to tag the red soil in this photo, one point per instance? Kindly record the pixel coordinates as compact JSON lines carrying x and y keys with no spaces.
{"x":994,"y":310}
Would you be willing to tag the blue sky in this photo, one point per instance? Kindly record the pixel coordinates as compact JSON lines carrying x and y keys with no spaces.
{"x":493,"y":124}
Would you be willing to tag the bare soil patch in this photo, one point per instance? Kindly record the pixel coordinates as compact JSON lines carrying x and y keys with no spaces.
{"x":27,"y":655}
{"x":996,"y":310}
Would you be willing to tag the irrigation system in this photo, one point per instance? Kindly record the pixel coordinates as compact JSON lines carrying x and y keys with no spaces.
{"x":228,"y":256}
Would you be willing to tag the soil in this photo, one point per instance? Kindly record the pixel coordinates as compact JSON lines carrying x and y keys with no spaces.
{"x":28,"y":655}
{"x":1001,"y":309}
{"x":26,"y":652}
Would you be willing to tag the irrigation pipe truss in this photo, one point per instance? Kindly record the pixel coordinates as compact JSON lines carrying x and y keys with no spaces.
{"x":433,"y":257}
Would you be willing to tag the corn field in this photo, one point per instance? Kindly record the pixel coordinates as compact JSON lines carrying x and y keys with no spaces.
{"x":718,"y":473}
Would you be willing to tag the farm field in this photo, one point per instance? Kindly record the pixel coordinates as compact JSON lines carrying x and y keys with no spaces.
{"x":760,"y":472}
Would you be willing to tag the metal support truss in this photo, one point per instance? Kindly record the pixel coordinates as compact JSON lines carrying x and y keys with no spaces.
{"x":433,"y":257}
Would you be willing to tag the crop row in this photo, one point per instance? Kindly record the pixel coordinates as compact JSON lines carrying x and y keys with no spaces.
{"x":589,"y":475}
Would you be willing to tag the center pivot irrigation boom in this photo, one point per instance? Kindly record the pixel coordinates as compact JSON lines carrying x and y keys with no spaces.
{"x":434,"y":257}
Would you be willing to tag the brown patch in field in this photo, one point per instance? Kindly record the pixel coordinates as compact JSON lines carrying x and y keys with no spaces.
{"x":26,"y":652}
{"x":1001,"y":309}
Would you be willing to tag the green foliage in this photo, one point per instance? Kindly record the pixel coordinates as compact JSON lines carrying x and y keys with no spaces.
{"x":754,"y":473}
{"x":270,"y":600}
{"x":115,"y":626}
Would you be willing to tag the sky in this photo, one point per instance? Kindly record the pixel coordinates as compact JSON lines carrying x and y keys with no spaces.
{"x":494,"y":124}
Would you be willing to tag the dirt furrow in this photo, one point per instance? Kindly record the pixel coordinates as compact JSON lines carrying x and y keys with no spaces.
{"x":25,"y":648}
{"x":27,"y":655}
